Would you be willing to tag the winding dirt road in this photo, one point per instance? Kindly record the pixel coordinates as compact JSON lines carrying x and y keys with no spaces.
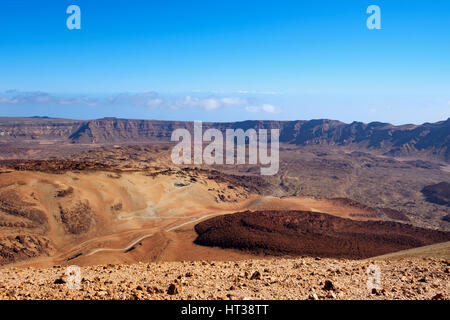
{"x":136,"y":241}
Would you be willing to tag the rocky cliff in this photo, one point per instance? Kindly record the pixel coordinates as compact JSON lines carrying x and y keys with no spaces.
{"x":429,"y":139}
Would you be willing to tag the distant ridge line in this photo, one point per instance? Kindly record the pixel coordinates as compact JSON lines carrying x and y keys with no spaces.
{"x":428,"y":140}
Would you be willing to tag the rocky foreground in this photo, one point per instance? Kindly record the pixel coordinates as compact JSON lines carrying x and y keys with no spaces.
{"x":299,"y":278}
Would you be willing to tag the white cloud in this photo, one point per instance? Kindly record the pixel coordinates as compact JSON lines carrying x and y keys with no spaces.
{"x":137,"y":99}
{"x":264,"y":108}
{"x":258,"y":92}
{"x":252,"y":109}
{"x":144,"y":99}
{"x":269,"y":108}
{"x":39,"y":98}
{"x":210,"y":103}
{"x":233,"y":101}
{"x":154,"y":103}
{"x":4,"y":100}
{"x":188,"y":101}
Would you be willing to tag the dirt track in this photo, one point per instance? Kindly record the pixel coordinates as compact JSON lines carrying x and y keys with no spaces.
{"x":136,"y":241}
{"x":96,"y":216}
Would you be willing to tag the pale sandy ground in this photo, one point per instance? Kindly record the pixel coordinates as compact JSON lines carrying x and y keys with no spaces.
{"x":439,"y":250}
{"x":171,"y":229}
{"x":157,"y":214}
{"x":300,"y":278}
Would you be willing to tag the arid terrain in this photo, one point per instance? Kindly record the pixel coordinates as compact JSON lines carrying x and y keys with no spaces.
{"x":312,"y":233}
{"x":87,"y":215}
{"x":104,"y":195}
{"x":281,"y":278}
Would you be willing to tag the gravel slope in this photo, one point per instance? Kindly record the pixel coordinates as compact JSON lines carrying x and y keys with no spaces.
{"x":299,"y":278}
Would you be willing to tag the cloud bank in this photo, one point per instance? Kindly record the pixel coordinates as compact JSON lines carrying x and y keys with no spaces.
{"x":144,"y":99}
{"x":13,"y":97}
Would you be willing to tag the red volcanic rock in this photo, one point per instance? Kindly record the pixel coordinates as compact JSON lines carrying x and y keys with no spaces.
{"x":310,"y":233}
{"x":53,"y":166}
{"x":395,"y":214}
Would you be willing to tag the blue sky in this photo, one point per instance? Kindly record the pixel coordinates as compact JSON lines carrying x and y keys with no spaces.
{"x":226,"y":60}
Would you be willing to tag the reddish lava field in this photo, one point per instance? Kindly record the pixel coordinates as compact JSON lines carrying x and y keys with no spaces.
{"x":309,"y":233}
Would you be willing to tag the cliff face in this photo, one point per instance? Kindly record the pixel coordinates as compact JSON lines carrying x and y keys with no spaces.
{"x":124,"y":130}
{"x":432,"y":139}
{"x":19,"y":129}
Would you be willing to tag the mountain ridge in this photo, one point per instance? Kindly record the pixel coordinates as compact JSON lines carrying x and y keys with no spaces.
{"x":428,"y":139}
